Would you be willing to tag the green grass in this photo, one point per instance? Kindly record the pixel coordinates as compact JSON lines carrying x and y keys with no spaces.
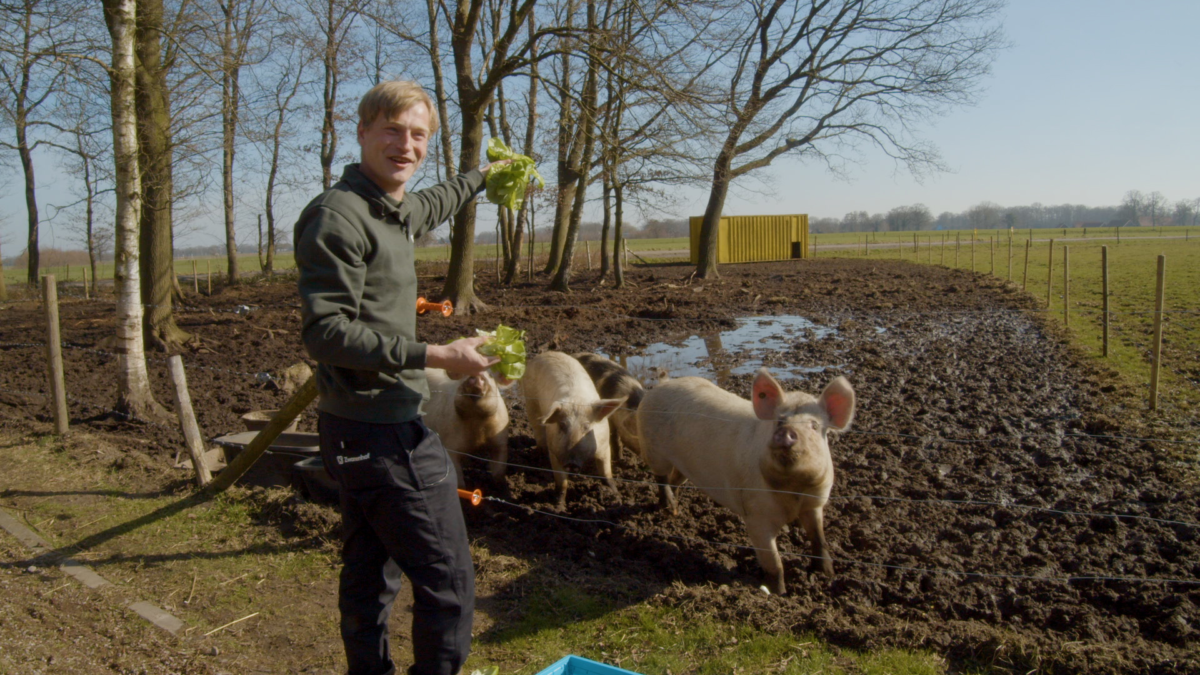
{"x":653,"y":639}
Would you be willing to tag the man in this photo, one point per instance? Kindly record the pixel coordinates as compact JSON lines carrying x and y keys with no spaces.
{"x":358,"y":290}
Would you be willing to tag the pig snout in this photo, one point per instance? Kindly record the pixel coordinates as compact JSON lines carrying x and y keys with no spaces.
{"x":580,"y":455}
{"x":475,"y":385}
{"x":785,"y":437}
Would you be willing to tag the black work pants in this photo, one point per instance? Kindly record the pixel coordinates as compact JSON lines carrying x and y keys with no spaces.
{"x":400,"y":514}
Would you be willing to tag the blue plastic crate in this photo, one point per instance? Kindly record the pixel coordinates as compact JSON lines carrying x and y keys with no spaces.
{"x":577,"y":665}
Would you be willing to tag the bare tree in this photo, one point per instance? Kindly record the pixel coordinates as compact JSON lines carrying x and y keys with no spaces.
{"x":86,"y":156}
{"x":286,"y":69}
{"x":504,"y":55}
{"x":33,"y":34}
{"x":3,"y":283}
{"x":156,"y":167}
{"x":810,"y":79}
{"x":134,"y":396}
{"x":909,"y":218}
{"x":334,"y":43}
{"x":1133,"y":206}
{"x":1185,"y":211}
{"x":1156,"y":204}
{"x":984,"y":216}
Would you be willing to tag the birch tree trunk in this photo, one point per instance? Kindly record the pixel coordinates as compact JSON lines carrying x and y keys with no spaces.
{"x":134,"y":397}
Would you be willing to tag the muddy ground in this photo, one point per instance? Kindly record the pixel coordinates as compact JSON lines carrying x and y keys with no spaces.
{"x":987,"y":463}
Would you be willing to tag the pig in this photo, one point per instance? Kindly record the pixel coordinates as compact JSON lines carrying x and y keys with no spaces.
{"x":470,"y":416}
{"x":613,"y":381}
{"x":567,"y":416}
{"x":766,"y":460}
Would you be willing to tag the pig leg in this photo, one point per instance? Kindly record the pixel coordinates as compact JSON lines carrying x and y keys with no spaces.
{"x":499,"y":454}
{"x":605,"y":462}
{"x":666,"y":495}
{"x":560,"y":480}
{"x":666,"y":498}
{"x":615,"y":435}
{"x":762,"y":537}
{"x":813,"y":521}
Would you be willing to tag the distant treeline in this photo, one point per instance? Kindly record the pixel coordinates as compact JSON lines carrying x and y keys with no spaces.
{"x":1136,"y":209}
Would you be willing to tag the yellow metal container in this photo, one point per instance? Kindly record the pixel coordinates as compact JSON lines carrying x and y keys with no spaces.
{"x":756,"y":238}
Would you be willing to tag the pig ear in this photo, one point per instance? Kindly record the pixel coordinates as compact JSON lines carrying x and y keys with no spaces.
{"x":553,"y":415}
{"x":838,"y":402}
{"x":766,"y":395}
{"x":604,"y":407}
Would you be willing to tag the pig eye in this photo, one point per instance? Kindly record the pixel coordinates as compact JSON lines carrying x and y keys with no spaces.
{"x":816,"y":426}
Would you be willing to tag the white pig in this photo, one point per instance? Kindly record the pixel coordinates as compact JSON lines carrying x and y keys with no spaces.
{"x":767,"y":461}
{"x":470,"y":416}
{"x":568,"y":417}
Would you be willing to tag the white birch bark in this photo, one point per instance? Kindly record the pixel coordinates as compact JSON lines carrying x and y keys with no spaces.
{"x":133,"y":384}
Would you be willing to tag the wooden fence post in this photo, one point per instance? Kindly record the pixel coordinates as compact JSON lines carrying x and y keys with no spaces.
{"x":87,"y":290}
{"x":957,"y":247}
{"x":1025,"y":279}
{"x":1010,"y":256}
{"x":943,"y":263}
{"x":195,"y":278}
{"x":58,"y":389}
{"x":187,"y":420}
{"x":1066,"y":285}
{"x":587,"y":245}
{"x":1104,"y":279}
{"x":972,"y":254}
{"x":208,"y":274}
{"x":992,"y":248}
{"x":1050,"y":275}
{"x":1158,"y":312}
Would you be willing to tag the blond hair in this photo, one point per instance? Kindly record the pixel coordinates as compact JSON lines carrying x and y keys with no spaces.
{"x":392,"y":98}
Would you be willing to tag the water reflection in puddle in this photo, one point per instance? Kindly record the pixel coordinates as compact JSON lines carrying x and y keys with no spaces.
{"x":708,"y":356}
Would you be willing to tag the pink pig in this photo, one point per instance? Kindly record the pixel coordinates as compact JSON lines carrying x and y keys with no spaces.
{"x":766,"y":460}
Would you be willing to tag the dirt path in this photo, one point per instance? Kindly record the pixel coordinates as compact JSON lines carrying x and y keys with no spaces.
{"x":994,"y":501}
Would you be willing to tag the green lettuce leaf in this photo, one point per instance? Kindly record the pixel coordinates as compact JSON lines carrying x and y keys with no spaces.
{"x":506,"y":184}
{"x":508,"y":344}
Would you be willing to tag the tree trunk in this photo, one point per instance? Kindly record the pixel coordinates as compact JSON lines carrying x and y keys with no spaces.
{"x":439,"y":92}
{"x":230,"y":103}
{"x":568,"y":144}
{"x":587,"y":127}
{"x":619,"y":238}
{"x":31,"y":209}
{"x":262,"y":263}
{"x":156,"y":241}
{"x":3,"y":284}
{"x":605,"y":225}
{"x":707,"y":267}
{"x":134,"y":396}
{"x":460,"y":277}
{"x":328,"y":129}
{"x":90,"y":219}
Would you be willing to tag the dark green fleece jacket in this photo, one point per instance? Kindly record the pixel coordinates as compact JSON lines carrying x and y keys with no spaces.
{"x":358,"y":292}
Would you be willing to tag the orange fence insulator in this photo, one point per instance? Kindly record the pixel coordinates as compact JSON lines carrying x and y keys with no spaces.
{"x":476,"y":497}
{"x":445,"y":306}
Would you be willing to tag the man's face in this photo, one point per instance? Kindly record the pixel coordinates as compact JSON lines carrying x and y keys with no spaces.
{"x":393,"y":148}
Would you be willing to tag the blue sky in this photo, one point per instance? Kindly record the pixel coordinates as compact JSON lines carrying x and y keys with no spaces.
{"x":1093,"y":98}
